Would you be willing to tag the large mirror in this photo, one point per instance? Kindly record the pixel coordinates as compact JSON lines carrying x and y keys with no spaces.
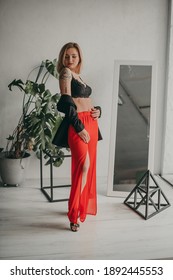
{"x":131,"y":122}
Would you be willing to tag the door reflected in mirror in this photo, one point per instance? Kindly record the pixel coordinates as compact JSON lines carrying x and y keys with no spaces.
{"x":133,"y":125}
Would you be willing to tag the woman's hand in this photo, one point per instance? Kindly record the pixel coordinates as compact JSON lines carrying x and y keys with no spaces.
{"x":95,"y":113}
{"x":84,"y":135}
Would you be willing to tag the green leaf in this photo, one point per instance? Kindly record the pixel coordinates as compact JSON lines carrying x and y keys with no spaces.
{"x":10,"y":138}
{"x":48,"y":132}
{"x":31,"y":88}
{"x":49,"y":126}
{"x":55,"y":98}
{"x":58,"y":162}
{"x":19,"y":83}
{"x":41,"y":88}
{"x":38,"y":104}
{"x":38,"y":154}
{"x":49,"y":116}
{"x":47,"y":94}
{"x":41,"y":115}
{"x":42,"y":143}
{"x":51,"y":67}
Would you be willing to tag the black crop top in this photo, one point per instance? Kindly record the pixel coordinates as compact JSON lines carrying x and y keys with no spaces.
{"x":78,"y":89}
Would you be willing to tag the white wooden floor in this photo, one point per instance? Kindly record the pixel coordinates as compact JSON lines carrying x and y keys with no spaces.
{"x":33,"y":228}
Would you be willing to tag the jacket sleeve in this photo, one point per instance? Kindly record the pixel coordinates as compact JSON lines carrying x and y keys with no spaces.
{"x":67,"y":106}
{"x":99,"y":108}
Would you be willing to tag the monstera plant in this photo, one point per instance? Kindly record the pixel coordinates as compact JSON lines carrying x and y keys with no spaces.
{"x":39,"y":118}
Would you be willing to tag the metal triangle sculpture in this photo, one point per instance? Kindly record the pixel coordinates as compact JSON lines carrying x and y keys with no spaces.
{"x":147,"y":198}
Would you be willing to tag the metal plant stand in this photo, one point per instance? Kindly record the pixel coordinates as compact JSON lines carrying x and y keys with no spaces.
{"x":145,"y":199}
{"x":44,"y":189}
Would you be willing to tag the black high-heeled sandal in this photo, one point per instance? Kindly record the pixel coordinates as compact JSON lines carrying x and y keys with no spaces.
{"x":74,"y":227}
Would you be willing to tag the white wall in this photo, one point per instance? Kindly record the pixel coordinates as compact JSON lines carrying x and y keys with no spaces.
{"x":107,"y":30}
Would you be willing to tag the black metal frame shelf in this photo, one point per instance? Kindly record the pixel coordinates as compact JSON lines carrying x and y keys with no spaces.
{"x":44,"y":189}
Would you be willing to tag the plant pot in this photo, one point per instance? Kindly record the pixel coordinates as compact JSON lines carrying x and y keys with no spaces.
{"x":12,"y":171}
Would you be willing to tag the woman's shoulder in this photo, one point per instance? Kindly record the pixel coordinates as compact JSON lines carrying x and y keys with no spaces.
{"x":65,"y":73}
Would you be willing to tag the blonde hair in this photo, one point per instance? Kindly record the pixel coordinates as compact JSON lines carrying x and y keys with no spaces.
{"x":61,"y":58}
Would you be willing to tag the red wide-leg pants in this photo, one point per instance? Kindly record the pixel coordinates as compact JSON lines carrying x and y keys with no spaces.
{"x":83,"y":200}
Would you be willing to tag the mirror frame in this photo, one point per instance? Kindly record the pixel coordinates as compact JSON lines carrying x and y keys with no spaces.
{"x":114,"y":112}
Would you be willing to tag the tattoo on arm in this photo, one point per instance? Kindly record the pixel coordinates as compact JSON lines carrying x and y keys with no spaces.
{"x":65,"y":74}
{"x":65,"y":81}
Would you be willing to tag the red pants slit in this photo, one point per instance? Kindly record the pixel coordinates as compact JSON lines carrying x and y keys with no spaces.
{"x":83,"y":201}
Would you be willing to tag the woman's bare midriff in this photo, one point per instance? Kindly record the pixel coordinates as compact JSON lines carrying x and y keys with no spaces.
{"x":83,"y":104}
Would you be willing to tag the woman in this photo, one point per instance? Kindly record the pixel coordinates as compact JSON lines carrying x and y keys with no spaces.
{"x":83,"y":134}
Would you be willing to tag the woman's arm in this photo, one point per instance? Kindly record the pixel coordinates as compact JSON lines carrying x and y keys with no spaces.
{"x":65,"y":78}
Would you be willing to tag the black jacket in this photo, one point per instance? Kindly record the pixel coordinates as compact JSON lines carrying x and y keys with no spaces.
{"x":67,"y":106}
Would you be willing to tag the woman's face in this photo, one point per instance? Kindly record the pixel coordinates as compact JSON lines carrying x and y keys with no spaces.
{"x":71,"y":59}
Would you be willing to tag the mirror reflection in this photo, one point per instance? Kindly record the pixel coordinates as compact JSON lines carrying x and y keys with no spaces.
{"x":133,"y":121}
